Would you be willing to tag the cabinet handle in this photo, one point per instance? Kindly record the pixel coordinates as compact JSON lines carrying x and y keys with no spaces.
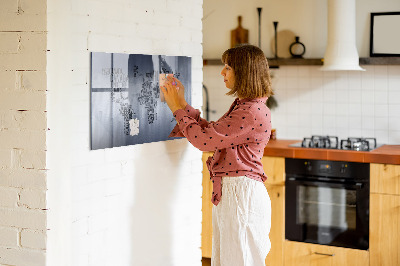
{"x":324,"y":254}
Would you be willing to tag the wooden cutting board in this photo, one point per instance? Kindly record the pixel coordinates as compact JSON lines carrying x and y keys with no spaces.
{"x":239,"y":35}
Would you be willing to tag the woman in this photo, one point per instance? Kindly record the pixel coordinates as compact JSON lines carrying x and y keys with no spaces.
{"x":242,"y":208}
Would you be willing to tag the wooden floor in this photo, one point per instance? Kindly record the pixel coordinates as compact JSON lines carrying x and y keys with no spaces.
{"x":206,"y":261}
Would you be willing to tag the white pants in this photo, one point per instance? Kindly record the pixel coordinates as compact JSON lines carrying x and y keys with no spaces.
{"x":241,"y":223}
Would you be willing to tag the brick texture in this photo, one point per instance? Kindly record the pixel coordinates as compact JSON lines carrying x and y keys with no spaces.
{"x":33,"y":239}
{"x":23,"y":125}
{"x":33,"y":199}
{"x":45,"y":118}
{"x":125,"y":189}
{"x":9,"y":237}
{"x":23,"y":218}
{"x":8,"y":197}
{"x":17,"y":256}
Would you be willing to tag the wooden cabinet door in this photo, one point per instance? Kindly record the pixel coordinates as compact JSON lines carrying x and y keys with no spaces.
{"x":385,"y":178}
{"x":274,"y":168}
{"x":206,"y":226}
{"x":384,"y":237}
{"x":304,"y":254}
{"x":277,"y":233}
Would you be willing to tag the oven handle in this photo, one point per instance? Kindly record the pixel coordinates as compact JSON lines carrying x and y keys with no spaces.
{"x":357,"y":185}
{"x":324,"y":254}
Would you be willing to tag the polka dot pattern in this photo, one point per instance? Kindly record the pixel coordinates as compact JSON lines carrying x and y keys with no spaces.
{"x":238,"y":139}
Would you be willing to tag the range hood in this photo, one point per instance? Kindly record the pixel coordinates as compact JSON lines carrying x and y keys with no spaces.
{"x":341,"y":51}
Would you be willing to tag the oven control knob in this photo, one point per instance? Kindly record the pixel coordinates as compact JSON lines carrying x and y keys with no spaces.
{"x":343,"y":168}
{"x":308,"y":166}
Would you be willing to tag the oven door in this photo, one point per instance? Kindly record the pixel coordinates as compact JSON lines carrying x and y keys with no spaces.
{"x":327,"y":213}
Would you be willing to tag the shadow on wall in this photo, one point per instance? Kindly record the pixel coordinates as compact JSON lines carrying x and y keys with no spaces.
{"x":155,"y":198}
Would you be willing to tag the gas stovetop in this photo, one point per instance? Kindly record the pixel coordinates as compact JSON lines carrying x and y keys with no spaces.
{"x":332,"y":142}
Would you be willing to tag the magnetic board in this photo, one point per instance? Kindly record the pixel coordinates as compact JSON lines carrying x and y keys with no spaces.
{"x":126,"y":108}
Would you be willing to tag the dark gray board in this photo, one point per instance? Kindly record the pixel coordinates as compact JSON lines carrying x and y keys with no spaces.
{"x":125,"y":87}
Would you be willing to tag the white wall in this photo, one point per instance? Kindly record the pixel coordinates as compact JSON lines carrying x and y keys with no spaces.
{"x":23,"y":133}
{"x":135,"y":205}
{"x":343,"y":104}
{"x":306,"y":19}
{"x":311,"y":102}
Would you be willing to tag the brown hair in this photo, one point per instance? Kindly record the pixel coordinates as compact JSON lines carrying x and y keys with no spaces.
{"x":250,"y":66}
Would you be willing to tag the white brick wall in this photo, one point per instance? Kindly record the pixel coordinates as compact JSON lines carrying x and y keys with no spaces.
{"x":11,"y":256}
{"x":9,"y":237}
{"x":23,"y":132}
{"x":33,"y":239}
{"x":136,"y":205}
{"x":8,"y":197}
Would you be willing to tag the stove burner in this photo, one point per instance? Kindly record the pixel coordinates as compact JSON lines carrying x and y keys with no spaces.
{"x":332,"y":142}
{"x":328,"y":142}
{"x":358,"y":144}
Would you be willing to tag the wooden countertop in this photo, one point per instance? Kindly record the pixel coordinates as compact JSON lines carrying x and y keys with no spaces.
{"x":389,"y":154}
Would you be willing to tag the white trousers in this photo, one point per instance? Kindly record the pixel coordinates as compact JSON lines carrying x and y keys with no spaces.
{"x":241,"y":223}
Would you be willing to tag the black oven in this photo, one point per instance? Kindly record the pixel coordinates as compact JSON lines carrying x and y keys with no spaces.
{"x":327,"y":202}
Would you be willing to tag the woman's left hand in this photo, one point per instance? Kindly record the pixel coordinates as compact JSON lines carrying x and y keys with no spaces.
{"x":170,"y":90}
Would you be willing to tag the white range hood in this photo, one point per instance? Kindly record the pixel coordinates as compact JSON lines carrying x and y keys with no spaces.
{"x":341,"y":51}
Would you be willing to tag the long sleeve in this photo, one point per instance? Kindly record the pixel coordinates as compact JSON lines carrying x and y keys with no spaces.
{"x":193,"y":113}
{"x":232,"y":130}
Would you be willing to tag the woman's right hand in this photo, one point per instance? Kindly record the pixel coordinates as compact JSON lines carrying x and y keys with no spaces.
{"x":181,"y":91}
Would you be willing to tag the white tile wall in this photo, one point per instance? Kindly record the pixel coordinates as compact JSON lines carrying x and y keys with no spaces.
{"x":312,"y":102}
{"x":348,"y":103}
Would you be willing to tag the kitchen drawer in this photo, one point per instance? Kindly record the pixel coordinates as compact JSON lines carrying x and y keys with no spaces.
{"x":305,"y":254}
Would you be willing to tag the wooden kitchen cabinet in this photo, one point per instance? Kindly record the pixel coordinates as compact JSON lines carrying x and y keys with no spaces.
{"x":385,"y":215}
{"x":385,"y":178}
{"x":206,"y":225}
{"x":277,"y":233}
{"x":274,"y":168}
{"x":384,"y":236}
{"x":305,"y":254}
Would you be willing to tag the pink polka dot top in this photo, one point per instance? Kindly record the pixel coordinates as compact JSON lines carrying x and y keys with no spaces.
{"x":238,"y":139}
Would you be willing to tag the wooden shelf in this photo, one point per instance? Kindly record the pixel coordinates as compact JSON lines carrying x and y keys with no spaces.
{"x":273,"y":63}
{"x":212,"y":62}
{"x":380,"y":61}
